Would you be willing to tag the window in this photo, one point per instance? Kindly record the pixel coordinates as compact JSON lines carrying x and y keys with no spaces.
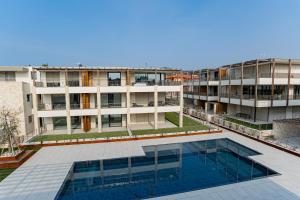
{"x":28,"y":97}
{"x":33,"y":75}
{"x":149,"y":78}
{"x":30,"y":119}
{"x":7,"y":76}
{"x":75,"y":101}
{"x":73,"y":79}
{"x":76,"y":122}
{"x":296,"y":91}
{"x":114,"y":78}
{"x":53,"y":79}
{"x":111,"y":120}
{"x":58,"y":101}
{"x":59,"y":123}
{"x":111,"y":100}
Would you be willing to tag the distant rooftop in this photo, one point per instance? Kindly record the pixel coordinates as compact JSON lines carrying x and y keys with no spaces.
{"x":104,"y":68}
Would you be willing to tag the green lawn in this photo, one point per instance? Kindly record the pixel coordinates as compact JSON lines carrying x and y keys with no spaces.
{"x":188,"y":125}
{"x":250,"y":125}
{"x":77,"y":136}
{"x":5,"y":172}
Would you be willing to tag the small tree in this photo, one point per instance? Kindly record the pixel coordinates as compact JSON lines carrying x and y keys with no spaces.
{"x":9,"y":129}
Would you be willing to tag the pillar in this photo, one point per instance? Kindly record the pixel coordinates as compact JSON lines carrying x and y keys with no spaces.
{"x":155,"y":107}
{"x":35,"y":112}
{"x":128,"y":105}
{"x":67,"y":99}
{"x":99,"y":109}
{"x":181,"y":106}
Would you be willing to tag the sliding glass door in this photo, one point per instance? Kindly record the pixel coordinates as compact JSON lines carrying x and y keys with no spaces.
{"x":111,"y":100}
{"x":111,"y":121}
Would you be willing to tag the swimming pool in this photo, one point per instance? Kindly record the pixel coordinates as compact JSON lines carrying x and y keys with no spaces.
{"x":164,"y":170}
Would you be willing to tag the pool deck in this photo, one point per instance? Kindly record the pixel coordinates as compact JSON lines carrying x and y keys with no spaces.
{"x":43,"y":174}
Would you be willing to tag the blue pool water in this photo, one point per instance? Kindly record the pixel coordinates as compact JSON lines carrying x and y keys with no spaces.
{"x":164,"y":170}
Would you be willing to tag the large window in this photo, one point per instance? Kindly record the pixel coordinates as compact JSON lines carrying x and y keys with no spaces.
{"x":280,"y":92}
{"x":248,"y":92}
{"x":297,"y":92}
{"x":59,"y":123}
{"x":7,"y":76}
{"x":114,"y":78}
{"x":53,"y":79}
{"x":110,"y":100}
{"x":76,"y":122}
{"x":58,"y":102}
{"x":73,"y":79}
{"x":75,"y":101}
{"x":149,"y":78}
{"x":264,"y":92}
{"x":111,"y":120}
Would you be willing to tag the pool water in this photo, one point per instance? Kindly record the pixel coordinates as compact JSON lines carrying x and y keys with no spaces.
{"x":164,"y":170}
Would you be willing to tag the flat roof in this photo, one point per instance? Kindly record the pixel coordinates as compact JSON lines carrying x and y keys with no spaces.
{"x":13,"y":69}
{"x":106,"y":68}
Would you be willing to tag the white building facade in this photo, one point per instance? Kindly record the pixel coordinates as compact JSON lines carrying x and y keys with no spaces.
{"x":91,"y":99}
{"x":258,"y":91}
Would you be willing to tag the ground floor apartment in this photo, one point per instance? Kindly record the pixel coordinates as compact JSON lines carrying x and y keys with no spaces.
{"x":107,"y":123}
{"x":246,"y":113}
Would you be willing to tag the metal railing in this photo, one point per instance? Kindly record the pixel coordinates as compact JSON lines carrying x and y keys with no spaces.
{"x":214,"y":94}
{"x":224,"y":95}
{"x":111,"y":105}
{"x":295,"y":75}
{"x":7,"y":79}
{"x":248,"y":96}
{"x":48,"y":82}
{"x":276,"y":75}
{"x":294,"y":97}
{"x":235,"y":96}
{"x":56,"y":106}
{"x":74,"y":106}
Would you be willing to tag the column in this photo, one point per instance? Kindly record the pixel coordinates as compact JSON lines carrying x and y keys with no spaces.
{"x":181,"y":107}
{"x":128,"y":105}
{"x":67,"y":98}
{"x":35,"y":112}
{"x":155,"y":107}
{"x":256,"y":83}
{"x":99,"y":109}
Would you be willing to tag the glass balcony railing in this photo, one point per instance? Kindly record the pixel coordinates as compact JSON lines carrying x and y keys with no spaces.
{"x":294,"y":97}
{"x":224,"y":95}
{"x":111,"y":105}
{"x":56,"y":106}
{"x":82,"y":106}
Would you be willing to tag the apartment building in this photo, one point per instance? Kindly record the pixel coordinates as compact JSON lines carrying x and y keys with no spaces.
{"x":93,"y":99}
{"x":258,"y":91}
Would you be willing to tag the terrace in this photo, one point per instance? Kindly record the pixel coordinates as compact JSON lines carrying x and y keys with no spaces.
{"x":173,"y":118}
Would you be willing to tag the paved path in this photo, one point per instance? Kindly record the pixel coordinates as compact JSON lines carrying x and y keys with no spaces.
{"x":41,"y":177}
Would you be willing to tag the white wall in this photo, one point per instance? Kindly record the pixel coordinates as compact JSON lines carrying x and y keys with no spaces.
{"x":13,"y":96}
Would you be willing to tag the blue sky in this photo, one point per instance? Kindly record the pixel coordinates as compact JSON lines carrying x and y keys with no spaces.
{"x":188,"y":34}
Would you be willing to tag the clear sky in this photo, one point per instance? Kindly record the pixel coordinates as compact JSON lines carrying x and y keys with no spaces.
{"x":188,"y":34}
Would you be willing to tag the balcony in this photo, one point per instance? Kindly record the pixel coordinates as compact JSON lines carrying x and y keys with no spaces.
{"x":169,"y":105}
{"x":47,"y":107}
{"x":51,"y":110}
{"x":150,"y":104}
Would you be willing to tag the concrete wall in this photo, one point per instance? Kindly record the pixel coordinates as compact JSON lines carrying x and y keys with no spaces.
{"x":13,"y":96}
{"x":289,"y":128}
